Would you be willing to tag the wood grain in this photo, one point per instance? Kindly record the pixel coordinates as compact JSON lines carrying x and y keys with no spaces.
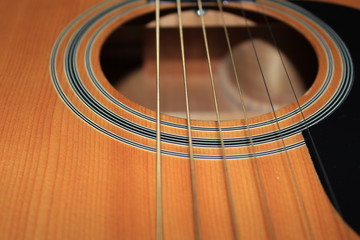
{"x":62,"y":179}
{"x":348,"y":3}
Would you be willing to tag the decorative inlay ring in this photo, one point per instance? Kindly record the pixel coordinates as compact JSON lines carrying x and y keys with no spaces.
{"x":78,"y":79}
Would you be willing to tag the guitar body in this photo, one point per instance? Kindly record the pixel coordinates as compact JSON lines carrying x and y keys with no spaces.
{"x":75,"y":168}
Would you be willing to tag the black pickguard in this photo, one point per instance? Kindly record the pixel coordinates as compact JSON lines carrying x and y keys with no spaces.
{"x":337,"y":138}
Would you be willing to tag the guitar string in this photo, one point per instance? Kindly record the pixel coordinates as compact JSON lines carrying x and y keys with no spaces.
{"x":188,"y":118}
{"x":327,"y":181}
{"x":259,"y":180}
{"x":300,"y":201}
{"x":159,"y":230}
{"x":322,"y":168}
{"x":235,"y":226}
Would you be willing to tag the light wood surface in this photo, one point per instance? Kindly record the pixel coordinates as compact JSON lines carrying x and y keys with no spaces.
{"x":348,"y":3}
{"x":62,"y":179}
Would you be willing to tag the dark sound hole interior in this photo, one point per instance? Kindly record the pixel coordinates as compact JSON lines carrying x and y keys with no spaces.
{"x":128,"y":61}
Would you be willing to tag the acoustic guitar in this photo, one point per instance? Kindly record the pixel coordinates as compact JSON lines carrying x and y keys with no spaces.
{"x":179,"y":119}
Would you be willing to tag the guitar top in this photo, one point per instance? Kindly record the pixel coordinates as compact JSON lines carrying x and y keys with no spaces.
{"x":129,"y":120}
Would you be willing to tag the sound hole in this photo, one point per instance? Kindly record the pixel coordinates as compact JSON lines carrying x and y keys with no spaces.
{"x":128,"y":61}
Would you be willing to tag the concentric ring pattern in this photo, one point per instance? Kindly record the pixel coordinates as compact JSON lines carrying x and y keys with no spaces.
{"x":72,"y":71}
